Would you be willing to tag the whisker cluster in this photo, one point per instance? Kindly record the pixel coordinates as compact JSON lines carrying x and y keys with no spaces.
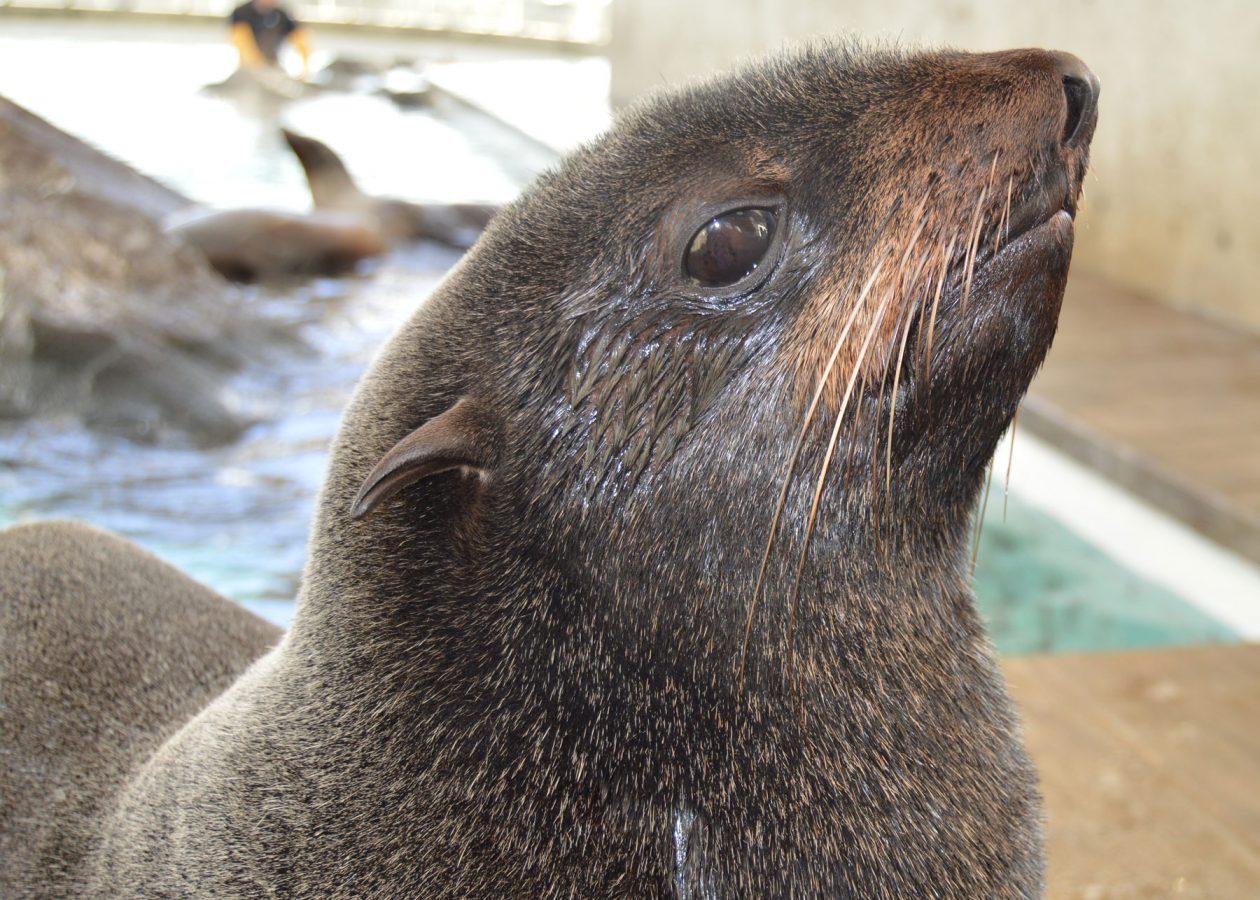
{"x":896,"y":312}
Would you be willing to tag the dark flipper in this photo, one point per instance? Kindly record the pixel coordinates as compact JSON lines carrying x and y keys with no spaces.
{"x":330,"y":181}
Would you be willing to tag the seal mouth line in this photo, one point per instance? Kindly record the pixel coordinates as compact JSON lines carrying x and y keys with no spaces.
{"x":1012,"y":241}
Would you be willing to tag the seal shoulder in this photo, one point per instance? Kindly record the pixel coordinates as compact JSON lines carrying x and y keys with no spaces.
{"x":104,"y":650}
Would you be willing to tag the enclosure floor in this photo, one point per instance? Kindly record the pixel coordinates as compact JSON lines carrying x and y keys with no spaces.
{"x":1164,"y":402}
{"x":1150,"y":766}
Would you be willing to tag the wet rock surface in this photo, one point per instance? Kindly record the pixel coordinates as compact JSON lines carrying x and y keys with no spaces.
{"x":103,"y":315}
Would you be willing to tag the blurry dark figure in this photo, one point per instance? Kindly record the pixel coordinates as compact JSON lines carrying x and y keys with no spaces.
{"x":259,"y":29}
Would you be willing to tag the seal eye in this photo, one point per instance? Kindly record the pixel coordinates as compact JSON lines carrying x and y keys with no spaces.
{"x":729,"y":247}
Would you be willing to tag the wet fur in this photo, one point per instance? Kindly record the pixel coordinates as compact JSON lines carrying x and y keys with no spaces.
{"x":530,"y":684}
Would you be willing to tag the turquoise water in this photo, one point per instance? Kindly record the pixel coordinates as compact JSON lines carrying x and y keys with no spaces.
{"x":236,"y":517}
{"x":1041,"y":588}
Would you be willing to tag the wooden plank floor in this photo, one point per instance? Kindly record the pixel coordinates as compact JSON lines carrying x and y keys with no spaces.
{"x":1150,"y":765}
{"x":1164,"y":402}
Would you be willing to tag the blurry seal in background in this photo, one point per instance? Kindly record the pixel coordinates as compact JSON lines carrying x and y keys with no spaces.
{"x":456,"y":225}
{"x":642,"y":564}
{"x":261,"y":244}
{"x":345,"y":228}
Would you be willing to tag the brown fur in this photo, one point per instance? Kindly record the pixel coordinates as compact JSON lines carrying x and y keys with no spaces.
{"x":255,"y":244}
{"x":104,"y":652}
{"x":586,"y":671}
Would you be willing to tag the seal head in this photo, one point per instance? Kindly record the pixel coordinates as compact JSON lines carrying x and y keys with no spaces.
{"x":746,"y":359}
{"x":663,"y":586}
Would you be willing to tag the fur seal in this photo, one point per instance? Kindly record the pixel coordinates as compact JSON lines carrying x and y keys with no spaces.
{"x":641,"y":567}
{"x":106,"y":651}
{"x":242,"y":244}
{"x":104,"y":317}
{"x":457,"y":225}
{"x":346,"y":227}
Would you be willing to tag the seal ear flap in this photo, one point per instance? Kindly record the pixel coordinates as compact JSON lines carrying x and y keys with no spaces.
{"x":463,"y":437}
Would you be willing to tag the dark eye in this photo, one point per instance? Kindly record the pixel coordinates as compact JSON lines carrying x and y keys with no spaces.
{"x":730,"y":246}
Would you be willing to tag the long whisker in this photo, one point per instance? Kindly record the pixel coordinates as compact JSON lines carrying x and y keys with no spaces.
{"x":997,"y":154}
{"x":973,"y":244}
{"x":892,"y":409}
{"x":855,"y":428}
{"x":936,"y":302}
{"x":822,"y":478}
{"x":905,"y":289}
{"x":925,"y":301}
{"x":1003,"y":231}
{"x":793,"y":459}
{"x":984,"y":504}
{"x":809,"y":416}
{"x":1010,"y":459}
{"x":977,"y":228}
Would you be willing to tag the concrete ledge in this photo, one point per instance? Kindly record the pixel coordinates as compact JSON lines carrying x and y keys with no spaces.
{"x":1210,"y":515}
{"x":1164,"y":403}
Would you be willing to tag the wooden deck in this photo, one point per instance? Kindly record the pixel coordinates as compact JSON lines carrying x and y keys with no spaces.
{"x":1150,"y":765}
{"x":1163,"y":402}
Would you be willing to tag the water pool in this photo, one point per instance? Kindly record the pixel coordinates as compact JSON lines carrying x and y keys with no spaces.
{"x":236,"y":517}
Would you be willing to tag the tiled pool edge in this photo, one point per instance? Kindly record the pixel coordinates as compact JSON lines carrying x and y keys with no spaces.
{"x":1137,"y":535}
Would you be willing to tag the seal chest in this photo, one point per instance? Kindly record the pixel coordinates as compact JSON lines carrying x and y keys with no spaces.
{"x":641,"y":567}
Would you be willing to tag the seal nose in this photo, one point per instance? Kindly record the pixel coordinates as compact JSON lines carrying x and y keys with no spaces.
{"x":1080,"y":90}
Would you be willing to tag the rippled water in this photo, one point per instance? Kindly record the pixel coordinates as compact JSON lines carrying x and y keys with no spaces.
{"x":235,"y":517}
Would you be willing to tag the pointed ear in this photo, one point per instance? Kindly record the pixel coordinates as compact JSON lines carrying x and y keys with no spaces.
{"x":463,"y":437}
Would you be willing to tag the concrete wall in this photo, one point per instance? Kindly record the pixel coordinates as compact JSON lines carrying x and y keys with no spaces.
{"x":1173,"y":205}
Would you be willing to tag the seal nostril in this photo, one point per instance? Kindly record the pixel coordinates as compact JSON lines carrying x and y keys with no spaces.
{"x":1078,"y":95}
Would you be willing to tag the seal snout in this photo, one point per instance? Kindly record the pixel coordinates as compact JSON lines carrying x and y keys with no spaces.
{"x":1064,"y":104}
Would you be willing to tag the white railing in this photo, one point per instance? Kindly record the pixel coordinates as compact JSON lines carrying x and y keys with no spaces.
{"x":573,"y":21}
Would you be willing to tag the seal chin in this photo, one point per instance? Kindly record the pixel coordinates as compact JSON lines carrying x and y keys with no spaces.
{"x":1012,"y":309}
